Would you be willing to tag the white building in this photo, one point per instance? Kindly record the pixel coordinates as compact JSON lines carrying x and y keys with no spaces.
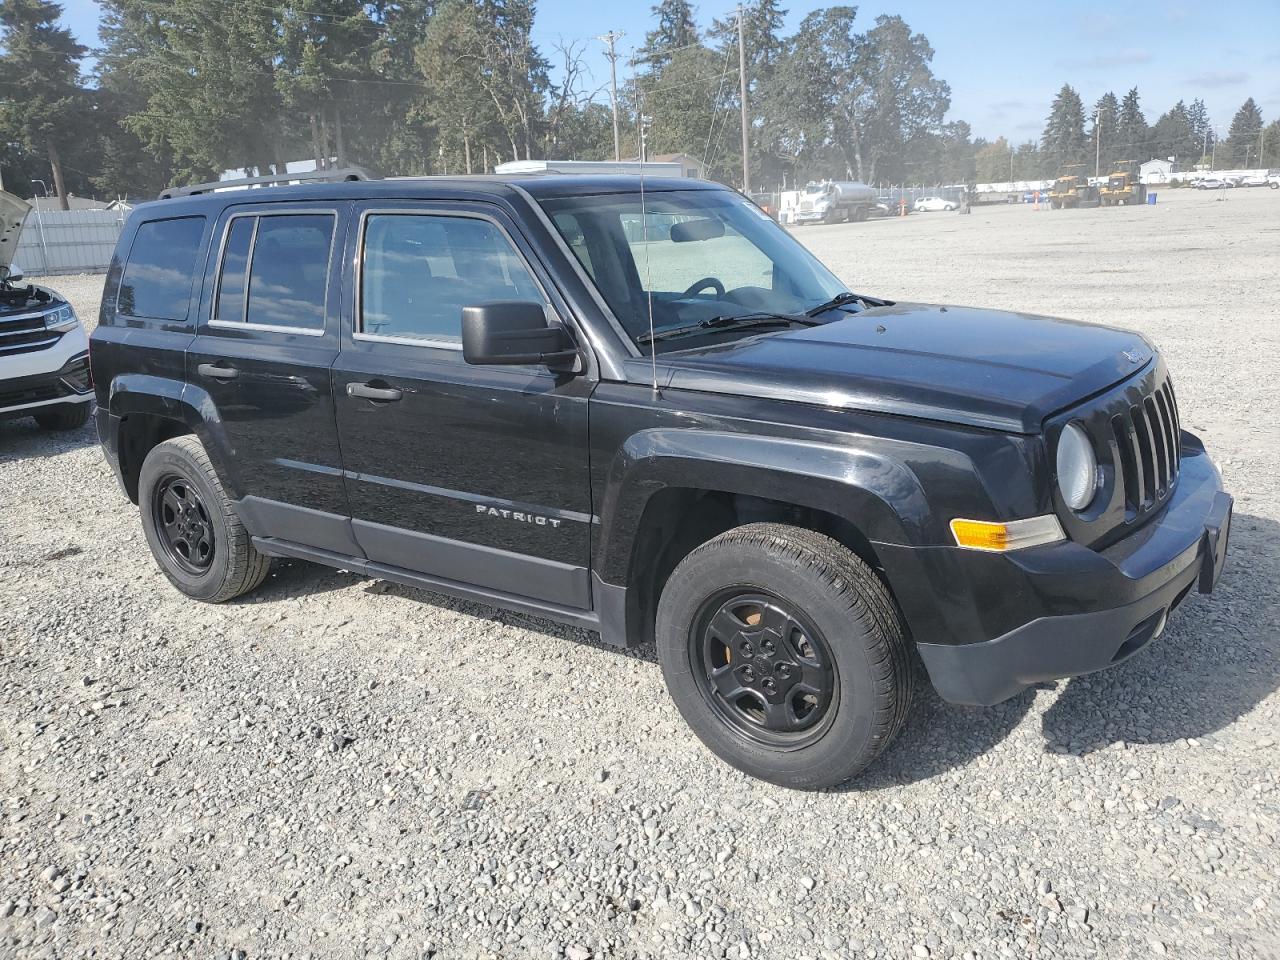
{"x":1158,"y":171}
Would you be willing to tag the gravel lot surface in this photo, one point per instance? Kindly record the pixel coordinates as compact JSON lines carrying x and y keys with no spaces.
{"x":339,"y":767}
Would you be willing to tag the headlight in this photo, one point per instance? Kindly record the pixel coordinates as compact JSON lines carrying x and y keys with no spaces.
{"x":1077,"y":467}
{"x":64,"y":318}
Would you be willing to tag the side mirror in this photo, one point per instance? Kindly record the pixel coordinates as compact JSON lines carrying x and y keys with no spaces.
{"x":513,"y":332}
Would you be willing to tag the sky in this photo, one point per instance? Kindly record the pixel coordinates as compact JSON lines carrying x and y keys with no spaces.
{"x":1004,"y":60}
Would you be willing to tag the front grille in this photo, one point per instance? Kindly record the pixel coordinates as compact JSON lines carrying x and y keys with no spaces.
{"x":25,"y":334}
{"x":1146,"y":435}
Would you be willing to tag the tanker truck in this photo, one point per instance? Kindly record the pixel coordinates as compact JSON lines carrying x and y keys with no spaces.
{"x":834,"y":201}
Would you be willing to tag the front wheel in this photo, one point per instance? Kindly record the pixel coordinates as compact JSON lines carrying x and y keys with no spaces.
{"x":191,"y":525}
{"x":785,"y":654}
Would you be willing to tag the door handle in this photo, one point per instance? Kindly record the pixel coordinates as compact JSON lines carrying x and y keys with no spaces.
{"x":217,"y":372}
{"x":386,"y":394}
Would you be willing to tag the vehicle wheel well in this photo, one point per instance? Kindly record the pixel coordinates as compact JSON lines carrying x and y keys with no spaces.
{"x":139,"y":433}
{"x":677,"y":520}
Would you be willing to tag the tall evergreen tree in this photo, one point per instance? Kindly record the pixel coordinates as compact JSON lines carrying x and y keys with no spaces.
{"x":1201,"y":126}
{"x":676,"y":30}
{"x":1106,"y":126}
{"x":42,"y":103}
{"x":1241,"y":145}
{"x":1133,"y":138}
{"x":1064,"y":141}
{"x":1173,"y":136}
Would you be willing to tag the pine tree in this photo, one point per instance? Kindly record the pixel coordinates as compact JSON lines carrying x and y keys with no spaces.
{"x":1064,"y":141}
{"x":1201,"y":127}
{"x":1133,"y":139}
{"x":42,"y":103}
{"x":1241,"y":146}
{"x":676,"y":30}
{"x":1106,"y":126}
{"x":1173,"y":135}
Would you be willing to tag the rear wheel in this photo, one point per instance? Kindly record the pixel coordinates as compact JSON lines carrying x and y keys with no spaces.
{"x":785,"y":655}
{"x":191,"y":525}
{"x":66,"y":416}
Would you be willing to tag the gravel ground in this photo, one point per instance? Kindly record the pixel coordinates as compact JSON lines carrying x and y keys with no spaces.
{"x":339,"y":767}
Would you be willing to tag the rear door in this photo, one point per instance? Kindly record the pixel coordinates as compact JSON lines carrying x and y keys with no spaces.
{"x":261,"y":359}
{"x":475,"y":474}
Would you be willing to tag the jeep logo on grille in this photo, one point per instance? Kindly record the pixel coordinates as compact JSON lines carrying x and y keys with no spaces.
{"x":1133,"y":356}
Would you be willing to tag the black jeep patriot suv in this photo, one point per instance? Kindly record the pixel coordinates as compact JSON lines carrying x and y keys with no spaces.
{"x":644,"y":409}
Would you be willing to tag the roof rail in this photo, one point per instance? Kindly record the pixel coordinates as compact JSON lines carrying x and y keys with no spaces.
{"x":313,"y":176}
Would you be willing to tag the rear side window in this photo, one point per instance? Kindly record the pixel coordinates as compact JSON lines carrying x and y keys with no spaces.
{"x":420,"y":270}
{"x":275,"y":271}
{"x":157,"y":279}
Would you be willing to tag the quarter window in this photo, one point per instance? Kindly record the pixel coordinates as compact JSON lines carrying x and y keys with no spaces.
{"x":275,"y":270}
{"x":420,"y":270}
{"x":157,"y":279}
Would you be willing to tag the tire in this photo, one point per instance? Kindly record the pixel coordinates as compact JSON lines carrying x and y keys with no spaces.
{"x":231,"y":565}
{"x":65,"y":416}
{"x":842,"y":634}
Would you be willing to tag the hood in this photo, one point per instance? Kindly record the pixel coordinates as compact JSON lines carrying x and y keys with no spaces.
{"x":13,"y":213}
{"x":984,"y":368}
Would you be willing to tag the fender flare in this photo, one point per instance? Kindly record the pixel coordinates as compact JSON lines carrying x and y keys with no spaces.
{"x":863,"y":484}
{"x":140,"y":393}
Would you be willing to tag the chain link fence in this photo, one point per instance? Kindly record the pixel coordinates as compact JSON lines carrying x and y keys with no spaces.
{"x":68,"y":241}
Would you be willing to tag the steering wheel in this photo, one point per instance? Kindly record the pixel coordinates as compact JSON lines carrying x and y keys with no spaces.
{"x":702,"y":284}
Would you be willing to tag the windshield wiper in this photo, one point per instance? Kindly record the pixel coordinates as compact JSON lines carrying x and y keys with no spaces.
{"x":729,"y":322}
{"x":839,"y":300}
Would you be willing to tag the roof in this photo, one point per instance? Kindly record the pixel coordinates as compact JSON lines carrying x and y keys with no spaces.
{"x":477,"y":187}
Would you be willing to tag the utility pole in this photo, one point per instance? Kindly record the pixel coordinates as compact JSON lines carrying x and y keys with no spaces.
{"x":742,"y":85}
{"x":611,"y":38}
{"x":1097,"y":140}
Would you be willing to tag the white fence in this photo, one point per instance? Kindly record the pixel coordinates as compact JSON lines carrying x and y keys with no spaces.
{"x":68,"y":241}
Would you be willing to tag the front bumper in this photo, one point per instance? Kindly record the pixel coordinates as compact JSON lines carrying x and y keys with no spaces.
{"x":25,"y":396}
{"x":1063,"y":610}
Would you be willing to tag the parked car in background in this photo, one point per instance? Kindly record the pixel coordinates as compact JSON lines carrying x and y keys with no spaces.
{"x":1211,"y":183}
{"x":44,"y":353}
{"x":1257,"y":180}
{"x":933,"y":204}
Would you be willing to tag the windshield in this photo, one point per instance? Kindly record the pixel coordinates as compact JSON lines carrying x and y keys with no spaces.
{"x":700,"y":255}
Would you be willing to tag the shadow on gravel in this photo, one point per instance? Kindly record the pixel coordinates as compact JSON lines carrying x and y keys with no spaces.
{"x":1218,"y":660}
{"x":22,"y":439}
{"x":939,"y":737}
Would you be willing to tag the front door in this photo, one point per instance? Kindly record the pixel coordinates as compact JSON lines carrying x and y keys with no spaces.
{"x":260,"y":366}
{"x":474,"y":474}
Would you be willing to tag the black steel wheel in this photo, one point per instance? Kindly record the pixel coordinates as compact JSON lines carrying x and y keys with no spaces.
{"x":184,"y":524}
{"x":765,"y":670}
{"x":191,"y":524}
{"x":785,"y":654}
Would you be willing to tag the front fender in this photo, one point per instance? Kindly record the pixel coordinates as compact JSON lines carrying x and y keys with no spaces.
{"x":140,"y":393}
{"x":866,"y":482}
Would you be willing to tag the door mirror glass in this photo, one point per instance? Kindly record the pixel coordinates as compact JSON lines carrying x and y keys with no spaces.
{"x":513,"y":332}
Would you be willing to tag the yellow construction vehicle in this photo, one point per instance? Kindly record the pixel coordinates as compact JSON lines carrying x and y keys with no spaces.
{"x":1072,"y":189}
{"x":1123,"y":185}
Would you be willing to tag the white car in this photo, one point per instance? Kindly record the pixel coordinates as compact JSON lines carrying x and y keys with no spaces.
{"x":1254,"y":181}
{"x":932,"y":204}
{"x":44,"y":353}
